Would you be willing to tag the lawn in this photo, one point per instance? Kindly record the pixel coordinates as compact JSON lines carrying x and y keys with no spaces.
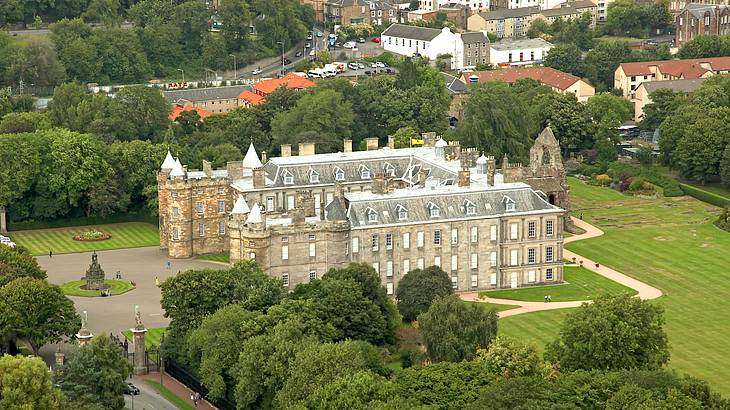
{"x":151,"y":338}
{"x":223,"y":257}
{"x":496,"y":306}
{"x":123,"y":235}
{"x":117,"y":288}
{"x":669,"y":243}
{"x":178,"y":402}
{"x":580,"y":284}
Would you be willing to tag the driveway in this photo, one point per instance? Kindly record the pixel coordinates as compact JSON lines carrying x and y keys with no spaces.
{"x":141,"y":265}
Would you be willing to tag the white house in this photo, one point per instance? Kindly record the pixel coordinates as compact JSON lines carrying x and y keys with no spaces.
{"x":427,"y":42}
{"x":512,"y":52}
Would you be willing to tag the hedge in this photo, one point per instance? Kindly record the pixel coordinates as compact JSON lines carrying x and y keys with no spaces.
{"x":83,"y":221}
{"x":705,"y":196}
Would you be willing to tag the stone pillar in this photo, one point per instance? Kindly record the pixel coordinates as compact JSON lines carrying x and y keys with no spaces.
{"x":491,"y":165}
{"x":372,"y":143}
{"x":138,"y":334}
{"x":84,"y":335}
{"x":3,"y":222}
{"x":464,"y":177}
{"x":347,"y":145}
{"x":391,"y":142}
{"x":306,"y":149}
{"x":286,"y":150}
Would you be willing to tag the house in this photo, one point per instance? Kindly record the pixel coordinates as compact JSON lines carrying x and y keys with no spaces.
{"x":393,"y":209}
{"x":643,"y":92}
{"x":178,"y":109}
{"x":512,"y":52}
{"x":628,"y":76}
{"x":217,"y":100}
{"x":476,"y":49}
{"x":559,"y":81}
{"x":675,"y":6}
{"x":428,"y":42}
{"x":318,"y":6}
{"x":571,"y":11}
{"x":266,"y":87}
{"x":602,"y":10}
{"x":438,"y":5}
{"x":375,"y":12}
{"x":504,"y":23}
{"x":700,"y":19}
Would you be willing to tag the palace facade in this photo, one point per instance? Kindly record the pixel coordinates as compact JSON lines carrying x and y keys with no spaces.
{"x":394,"y":209}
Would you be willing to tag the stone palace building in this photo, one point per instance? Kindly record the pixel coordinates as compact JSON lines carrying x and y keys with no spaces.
{"x":394,"y":209}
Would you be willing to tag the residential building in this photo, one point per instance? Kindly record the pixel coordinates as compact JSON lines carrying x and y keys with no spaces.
{"x":217,"y":100}
{"x":628,"y":76}
{"x":504,"y":23}
{"x":178,"y":109}
{"x":675,"y":6}
{"x":437,"y":5}
{"x":393,"y":209}
{"x":428,"y":42}
{"x":318,"y":6}
{"x":375,"y":12}
{"x":510,"y":52}
{"x":559,"y":81}
{"x":266,"y":87}
{"x":602,"y":10}
{"x":643,"y":92}
{"x":700,"y":19}
{"x":571,"y":11}
{"x":476,"y":49}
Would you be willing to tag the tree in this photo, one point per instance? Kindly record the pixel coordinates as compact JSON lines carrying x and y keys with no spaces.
{"x":566,"y":58}
{"x":444,"y":385}
{"x":605,"y":141}
{"x":601,"y":62}
{"x":161,"y":44}
{"x":121,"y":54}
{"x":613,"y":332}
{"x":361,"y":390}
{"x":322,"y":117}
{"x":220,"y":155}
{"x":17,"y":122}
{"x":701,"y":46}
{"x":320,"y":364}
{"x":403,"y":137}
{"x":96,"y":373}
{"x":624,"y":17}
{"x":26,"y":384}
{"x":672,"y":130}
{"x":21,"y":161}
{"x":606,"y":107}
{"x":42,"y":313}
{"x":18,"y":263}
{"x":135,"y":166}
{"x":103,"y":11}
{"x":663,"y":103}
{"x":700,"y":150}
{"x":453,"y":330}
{"x":418,"y":288}
{"x":507,"y":357}
{"x":35,"y":63}
{"x":569,"y":120}
{"x":137,"y":112}
{"x":725,"y":167}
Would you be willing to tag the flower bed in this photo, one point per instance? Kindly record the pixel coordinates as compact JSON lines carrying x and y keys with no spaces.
{"x":91,"y":236}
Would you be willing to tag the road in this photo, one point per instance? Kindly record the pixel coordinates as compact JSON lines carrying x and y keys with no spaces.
{"x":148,"y":398}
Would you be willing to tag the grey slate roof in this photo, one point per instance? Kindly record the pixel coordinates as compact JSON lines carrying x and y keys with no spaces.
{"x":336,"y":210}
{"x":451,"y":203}
{"x":685,"y":86}
{"x":512,"y":44}
{"x":568,"y":9}
{"x":474,"y":37}
{"x":411,"y":32}
{"x":509,"y":13}
{"x":453,"y":84}
{"x":205,"y":94}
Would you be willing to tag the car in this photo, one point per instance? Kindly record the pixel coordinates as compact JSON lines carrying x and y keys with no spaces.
{"x":352,"y":66}
{"x":308,"y":45}
{"x":131,"y":389}
{"x":298,"y":54}
{"x":360,"y":66}
{"x":287,"y":61}
{"x":368,"y":72}
{"x":309,"y":36}
{"x":314,"y":74}
{"x":312,"y":53}
{"x":360,"y":40}
{"x":388,"y":71}
{"x":256,"y":71}
{"x":378,"y":64}
{"x":319,"y":34}
{"x":373,"y":65}
{"x":349,"y":44}
{"x":376,"y":40}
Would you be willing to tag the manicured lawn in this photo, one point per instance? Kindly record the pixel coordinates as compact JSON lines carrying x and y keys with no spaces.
{"x":540,"y":328}
{"x":74,"y":288}
{"x":671,"y":244}
{"x":581,"y":284}
{"x":225,"y":258}
{"x":178,"y":402}
{"x":123,"y":235}
{"x":496,"y":306}
{"x":151,"y":338}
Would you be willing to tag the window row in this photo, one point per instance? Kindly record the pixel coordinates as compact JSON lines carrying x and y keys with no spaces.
{"x":421,"y":238}
{"x":514,"y":256}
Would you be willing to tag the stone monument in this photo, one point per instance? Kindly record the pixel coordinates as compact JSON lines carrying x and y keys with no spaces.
{"x":138,"y":332}
{"x":94,"y":275}
{"x":84,"y":335}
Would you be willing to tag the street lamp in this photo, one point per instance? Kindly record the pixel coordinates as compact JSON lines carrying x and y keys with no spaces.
{"x":183,"y":74}
{"x":282,"y":56}
{"x":235,"y":69}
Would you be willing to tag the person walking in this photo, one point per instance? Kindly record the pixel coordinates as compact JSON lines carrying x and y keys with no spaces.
{"x":157,"y":281}
{"x":50,"y":253}
{"x":198,"y":398}
{"x":192,"y":398}
{"x":546,"y":298}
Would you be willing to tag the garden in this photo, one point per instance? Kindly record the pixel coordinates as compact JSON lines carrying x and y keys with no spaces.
{"x":115,"y":287}
{"x":669,"y":243}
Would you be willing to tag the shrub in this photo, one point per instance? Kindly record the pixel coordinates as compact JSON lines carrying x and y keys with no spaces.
{"x":705,"y":196}
{"x":603,"y":179}
{"x":640,"y":184}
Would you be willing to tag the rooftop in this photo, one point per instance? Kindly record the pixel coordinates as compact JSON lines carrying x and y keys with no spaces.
{"x":178,"y":109}
{"x":545,"y":75}
{"x":691,"y":68}
{"x":684,"y":86}
{"x":290,"y":81}
{"x":412,"y":32}
{"x":508,"y":44}
{"x":205,"y":94}
{"x":509,"y":13}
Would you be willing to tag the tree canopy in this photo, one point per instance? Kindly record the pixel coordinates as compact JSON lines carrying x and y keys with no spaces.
{"x":418,"y":288}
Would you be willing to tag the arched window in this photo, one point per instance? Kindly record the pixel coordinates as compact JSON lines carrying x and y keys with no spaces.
{"x":545,"y":156}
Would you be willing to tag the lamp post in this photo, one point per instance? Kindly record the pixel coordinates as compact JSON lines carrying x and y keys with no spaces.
{"x":162,"y":362}
{"x":235,"y":69}
{"x":183,"y":74}
{"x":282,"y":56}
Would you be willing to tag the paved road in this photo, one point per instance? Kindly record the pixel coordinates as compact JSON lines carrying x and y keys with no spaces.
{"x":141,"y":265}
{"x":148,"y":398}
{"x":644,"y":290}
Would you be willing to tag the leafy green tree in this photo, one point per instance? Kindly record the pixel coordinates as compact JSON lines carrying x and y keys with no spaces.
{"x":361,"y":390}
{"x":569,"y":120}
{"x":161,"y":44}
{"x":26,"y":384}
{"x":150,"y":12}
{"x":323,"y":363}
{"x":41,"y":312}
{"x":322,"y":117}
{"x":135,"y":165}
{"x":540,"y":28}
{"x":614,"y":332}
{"x":444,"y":385}
{"x":122,"y":56}
{"x":11,"y":11}
{"x":103,"y":11}
{"x":21,"y":160}
{"x":96,"y":373}
{"x":137,"y":112}
{"x":18,"y":263}
{"x":403,"y":136}
{"x":220,"y":155}
{"x":35,"y":63}
{"x":606,"y":107}
{"x":605,"y":141}
{"x":624,"y":17}
{"x":453,"y":330}
{"x":663,"y":103}
{"x":701,"y":46}
{"x":566,"y":58}
{"x":508,"y":357}
{"x":18,"y":122}
{"x":192,"y":19}
{"x":725,"y":166}
{"x":672,"y":130}
{"x":699,"y":152}
{"x":418,"y":289}
{"x":236,"y":17}
{"x":76,"y":52}
{"x":601,"y":62}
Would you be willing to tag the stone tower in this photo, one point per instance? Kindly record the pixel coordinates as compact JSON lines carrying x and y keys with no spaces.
{"x":95,"y":275}
{"x":138,"y":332}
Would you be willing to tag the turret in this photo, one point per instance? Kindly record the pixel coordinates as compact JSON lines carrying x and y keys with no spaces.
{"x":439,"y":148}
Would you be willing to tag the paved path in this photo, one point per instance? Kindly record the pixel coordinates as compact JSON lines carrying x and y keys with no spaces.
{"x":644,"y":291}
{"x":179,"y":389}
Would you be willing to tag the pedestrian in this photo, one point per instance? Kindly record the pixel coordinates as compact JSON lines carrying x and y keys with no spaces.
{"x":197,"y":398}
{"x":545,"y":298}
{"x":550,"y":298}
{"x":157,"y":281}
{"x":581,"y":216}
{"x":192,"y":398}
{"x":50,"y":253}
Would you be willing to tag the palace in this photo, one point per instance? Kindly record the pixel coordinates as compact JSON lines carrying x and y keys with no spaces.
{"x":394,"y":209}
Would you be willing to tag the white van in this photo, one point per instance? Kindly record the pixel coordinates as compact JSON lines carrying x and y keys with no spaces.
{"x":314,"y":74}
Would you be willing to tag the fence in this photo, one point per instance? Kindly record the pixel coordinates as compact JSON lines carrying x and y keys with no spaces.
{"x":151,"y":356}
{"x":186,"y":376}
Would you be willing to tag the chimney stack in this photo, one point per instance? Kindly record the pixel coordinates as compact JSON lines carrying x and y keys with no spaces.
{"x":372,"y":143}
{"x":391,"y":142}
{"x":263,"y":157}
{"x":306,"y":149}
{"x":207,"y":169}
{"x":259,"y":180}
{"x":348,"y":145}
{"x":286,"y":150}
{"x":491,"y":165}
{"x":464,"y":177}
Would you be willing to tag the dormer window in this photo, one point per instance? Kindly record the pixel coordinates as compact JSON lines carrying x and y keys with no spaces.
{"x":339,"y":174}
{"x":509,"y":204}
{"x":389,"y":170}
{"x":313,"y":176}
{"x":434,"y":211}
{"x":364,"y":172}
{"x":287,"y":177}
{"x":372,"y":215}
{"x":470,"y":207}
{"x":402,"y":212}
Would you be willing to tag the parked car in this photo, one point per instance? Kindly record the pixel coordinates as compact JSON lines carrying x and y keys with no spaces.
{"x":352,"y":66}
{"x":256,"y":71}
{"x":368,"y":72}
{"x":308,"y":45}
{"x":314,"y":74}
{"x":287,"y":61}
{"x":349,"y":44}
{"x":309,"y":36}
{"x":376,"y":40}
{"x":360,"y":65}
{"x":373,"y":65}
{"x":298,"y":54}
{"x":388,"y":71}
{"x":319,"y":34}
{"x":131,"y":389}
{"x":378,"y":64}
{"x":312,"y":53}
{"x":360,"y":40}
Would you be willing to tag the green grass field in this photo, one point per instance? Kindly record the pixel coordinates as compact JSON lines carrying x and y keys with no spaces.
{"x":151,"y":338}
{"x":178,"y":402}
{"x":74,"y":288}
{"x":496,"y":306}
{"x":671,"y":244}
{"x":224,"y":258}
{"x":123,"y":235}
{"x":581,"y":284}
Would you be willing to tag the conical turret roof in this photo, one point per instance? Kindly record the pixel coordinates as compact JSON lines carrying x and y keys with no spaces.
{"x":240,"y":207}
{"x":177,"y":170}
{"x":254,"y":217}
{"x":169,"y":162}
{"x":482,"y":160}
{"x":251,"y":160}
